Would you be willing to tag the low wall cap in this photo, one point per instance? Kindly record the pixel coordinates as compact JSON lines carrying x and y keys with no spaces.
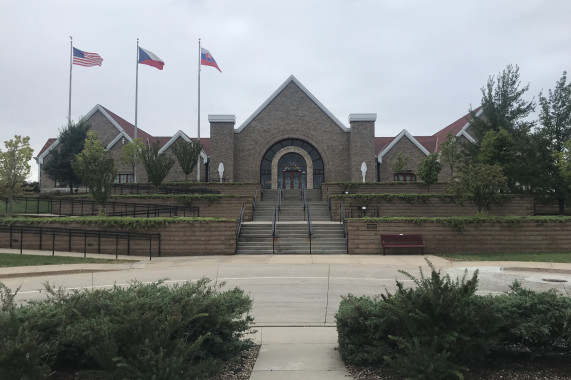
{"x":362,"y":117}
{"x":222,"y":118}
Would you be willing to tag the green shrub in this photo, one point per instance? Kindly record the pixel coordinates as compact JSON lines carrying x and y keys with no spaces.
{"x":143,"y":331}
{"x":532,"y":322}
{"x":440,"y":328}
{"x":428,"y":332}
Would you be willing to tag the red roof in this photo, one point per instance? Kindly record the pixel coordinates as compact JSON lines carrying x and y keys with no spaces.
{"x":47,"y":145}
{"x":453,"y":128}
{"x":128,"y":127}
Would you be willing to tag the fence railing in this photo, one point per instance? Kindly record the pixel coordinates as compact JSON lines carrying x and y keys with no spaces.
{"x":309,"y":227}
{"x":149,"y":189}
{"x":88,"y":207}
{"x":239,"y":226}
{"x":274,"y":228}
{"x":69,"y":233}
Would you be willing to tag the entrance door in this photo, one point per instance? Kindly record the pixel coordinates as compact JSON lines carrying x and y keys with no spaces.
{"x":291,"y":179}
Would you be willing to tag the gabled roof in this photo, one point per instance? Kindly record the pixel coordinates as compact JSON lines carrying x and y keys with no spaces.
{"x":182,"y":135}
{"x":428,"y":144}
{"x":457,"y":128}
{"x":403,"y":134}
{"x":306,"y":91}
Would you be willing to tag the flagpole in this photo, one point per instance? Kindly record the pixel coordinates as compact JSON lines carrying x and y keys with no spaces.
{"x":70,"y":71}
{"x":136,"y":106}
{"x":198,"y":139}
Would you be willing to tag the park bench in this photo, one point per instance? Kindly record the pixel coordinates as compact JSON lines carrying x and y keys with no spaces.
{"x":402,"y":241}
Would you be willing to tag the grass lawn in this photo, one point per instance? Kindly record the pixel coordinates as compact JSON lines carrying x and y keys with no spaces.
{"x":32,"y":206}
{"x":557,"y":257}
{"x":17,"y":260}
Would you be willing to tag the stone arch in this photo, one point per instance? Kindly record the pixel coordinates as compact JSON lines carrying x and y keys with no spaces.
{"x":302,"y":153}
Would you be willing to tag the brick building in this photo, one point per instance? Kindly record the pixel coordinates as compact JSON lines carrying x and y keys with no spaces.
{"x":291,"y":140}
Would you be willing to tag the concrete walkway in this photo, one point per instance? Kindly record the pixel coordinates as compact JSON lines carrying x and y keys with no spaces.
{"x":289,"y":349}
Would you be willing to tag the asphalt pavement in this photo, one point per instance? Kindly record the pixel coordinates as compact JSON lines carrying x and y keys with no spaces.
{"x":295,"y":296}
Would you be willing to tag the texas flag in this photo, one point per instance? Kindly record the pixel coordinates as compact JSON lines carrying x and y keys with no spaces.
{"x":207,"y":59}
{"x":148,"y":58}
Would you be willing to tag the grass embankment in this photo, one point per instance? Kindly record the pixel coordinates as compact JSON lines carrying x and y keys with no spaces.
{"x":556,"y":257}
{"x":17,"y":260}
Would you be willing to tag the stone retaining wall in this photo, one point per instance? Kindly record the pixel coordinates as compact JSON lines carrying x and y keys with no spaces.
{"x":224,"y":207}
{"x":199,"y":238}
{"x":382,"y":188}
{"x":434,"y":207}
{"x":364,"y":237}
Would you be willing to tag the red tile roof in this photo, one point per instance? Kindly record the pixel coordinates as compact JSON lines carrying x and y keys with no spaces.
{"x":128,"y":127}
{"x":453,"y":128}
{"x":47,"y":145}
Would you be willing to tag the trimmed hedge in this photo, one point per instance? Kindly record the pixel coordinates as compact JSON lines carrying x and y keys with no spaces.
{"x":144,"y":331}
{"x":440,"y":328}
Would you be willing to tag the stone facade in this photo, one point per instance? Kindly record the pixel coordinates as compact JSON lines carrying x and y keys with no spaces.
{"x":291,"y":140}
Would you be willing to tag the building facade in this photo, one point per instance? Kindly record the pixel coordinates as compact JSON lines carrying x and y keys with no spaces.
{"x":291,"y":140}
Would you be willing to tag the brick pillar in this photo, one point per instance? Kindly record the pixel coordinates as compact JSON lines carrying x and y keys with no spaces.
{"x":222,"y":145}
{"x":362,"y":146}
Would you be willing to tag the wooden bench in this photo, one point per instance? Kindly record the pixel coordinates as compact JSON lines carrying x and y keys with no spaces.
{"x":402,"y":241}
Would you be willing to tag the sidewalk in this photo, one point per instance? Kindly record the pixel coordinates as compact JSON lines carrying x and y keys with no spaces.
{"x":298,"y":353}
{"x":294,"y":352}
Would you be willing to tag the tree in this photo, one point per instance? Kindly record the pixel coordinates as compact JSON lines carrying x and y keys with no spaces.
{"x":554,"y":132}
{"x":450,"y":154}
{"x":503,"y":106}
{"x":187,"y":154}
{"x":156,"y":165}
{"x":428,"y":169}
{"x":480,"y":183}
{"x":14,"y":167}
{"x":563,"y":162}
{"x":131,"y":153}
{"x":400,"y":163}
{"x":96,"y":170}
{"x":71,"y":142}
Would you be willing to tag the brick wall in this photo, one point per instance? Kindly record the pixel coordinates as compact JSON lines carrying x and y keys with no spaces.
{"x":364,"y":237}
{"x":224,"y":207}
{"x":383,"y":188}
{"x":177,"y":239}
{"x":434,"y":207}
{"x":292,"y":114}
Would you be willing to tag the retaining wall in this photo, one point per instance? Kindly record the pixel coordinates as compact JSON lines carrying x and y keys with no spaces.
{"x":199,"y":238}
{"x":435,"y":206}
{"x":364,"y":237}
{"x":379,"y":188}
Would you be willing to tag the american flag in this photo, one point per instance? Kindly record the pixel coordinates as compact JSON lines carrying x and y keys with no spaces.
{"x":84,"y":58}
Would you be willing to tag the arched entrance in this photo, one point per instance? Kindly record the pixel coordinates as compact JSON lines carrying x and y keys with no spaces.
{"x":292,"y":163}
{"x":292,"y":171}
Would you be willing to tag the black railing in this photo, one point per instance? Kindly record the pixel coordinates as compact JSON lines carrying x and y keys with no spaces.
{"x":150,"y":189}
{"x":70,"y":233}
{"x":239,"y":226}
{"x":309,"y":228}
{"x":88,"y":207}
{"x":274,"y":229}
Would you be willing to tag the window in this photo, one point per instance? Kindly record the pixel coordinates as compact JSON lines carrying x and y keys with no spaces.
{"x":404,"y":177}
{"x":124,"y":178}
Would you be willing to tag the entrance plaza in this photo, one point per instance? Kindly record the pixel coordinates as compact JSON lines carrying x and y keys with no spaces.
{"x":295,"y":296}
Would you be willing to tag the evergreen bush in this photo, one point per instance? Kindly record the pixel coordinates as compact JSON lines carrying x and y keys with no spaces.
{"x":143,"y":331}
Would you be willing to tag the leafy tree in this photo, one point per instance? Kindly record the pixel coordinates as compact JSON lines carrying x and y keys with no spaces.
{"x":563,"y":163}
{"x":450,"y":154}
{"x":71,"y":142}
{"x":554,"y":132}
{"x":131,"y":153}
{"x":428,"y":169}
{"x":400,"y":163}
{"x":480,"y":183}
{"x":187,"y":155}
{"x":156,"y":165}
{"x":503,"y":106}
{"x":14,"y":167}
{"x":96,"y":169}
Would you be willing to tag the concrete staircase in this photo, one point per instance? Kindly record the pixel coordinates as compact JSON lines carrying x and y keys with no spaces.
{"x":292,"y":230}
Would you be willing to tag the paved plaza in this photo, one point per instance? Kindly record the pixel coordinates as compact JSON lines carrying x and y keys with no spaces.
{"x":295,"y":296}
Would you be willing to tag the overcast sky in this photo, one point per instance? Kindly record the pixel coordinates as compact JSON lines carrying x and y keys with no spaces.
{"x":419,"y":65}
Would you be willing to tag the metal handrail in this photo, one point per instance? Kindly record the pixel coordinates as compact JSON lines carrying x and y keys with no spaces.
{"x":279,"y":197}
{"x":255,"y":201}
{"x":309,"y":228}
{"x":274,"y":228}
{"x":71,"y":232}
{"x":239,"y":227}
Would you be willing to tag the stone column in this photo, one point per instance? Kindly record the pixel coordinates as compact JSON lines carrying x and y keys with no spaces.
{"x":362,"y":146}
{"x":222,"y":145}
